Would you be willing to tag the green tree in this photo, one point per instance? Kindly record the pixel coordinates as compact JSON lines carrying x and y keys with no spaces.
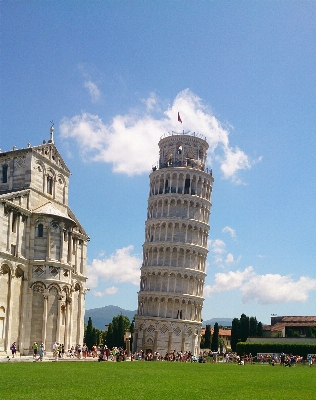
{"x":260,"y":329}
{"x":214,"y":344}
{"x":253,"y":326}
{"x":235,"y":333}
{"x":207,"y":337}
{"x":117,"y":328}
{"x":311,"y":332}
{"x":109,"y":336}
{"x":89,"y":336}
{"x":244,"y":327}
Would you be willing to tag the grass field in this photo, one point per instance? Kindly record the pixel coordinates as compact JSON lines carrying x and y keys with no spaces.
{"x":155,"y":380}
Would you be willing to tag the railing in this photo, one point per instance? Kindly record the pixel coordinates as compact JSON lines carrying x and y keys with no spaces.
{"x":173,"y":133}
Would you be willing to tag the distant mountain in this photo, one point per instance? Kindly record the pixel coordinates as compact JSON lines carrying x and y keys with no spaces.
{"x":220,"y":321}
{"x":104,"y":315}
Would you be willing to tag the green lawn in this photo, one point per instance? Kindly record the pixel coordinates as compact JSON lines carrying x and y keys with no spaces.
{"x":155,"y":380}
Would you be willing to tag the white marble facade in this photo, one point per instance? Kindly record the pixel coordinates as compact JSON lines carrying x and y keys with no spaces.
{"x":42,"y":252}
{"x":170,"y":299}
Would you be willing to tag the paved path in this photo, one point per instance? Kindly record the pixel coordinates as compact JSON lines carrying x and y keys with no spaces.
{"x":48,"y":358}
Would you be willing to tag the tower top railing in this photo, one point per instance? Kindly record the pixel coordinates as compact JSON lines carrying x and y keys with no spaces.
{"x":188,"y":133}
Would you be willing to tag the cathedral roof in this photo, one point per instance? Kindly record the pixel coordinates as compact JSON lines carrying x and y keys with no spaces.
{"x":49,"y":208}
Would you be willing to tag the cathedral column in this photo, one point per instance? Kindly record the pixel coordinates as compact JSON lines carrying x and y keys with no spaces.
{"x":23,"y":315}
{"x":81,"y":257}
{"x":69,"y":257}
{"x":9,"y":230}
{"x":59,"y":317}
{"x":48,"y":243}
{"x":9,"y":314}
{"x":79,"y":318}
{"x":67,"y":323}
{"x":70,"y":319}
{"x":61,"y":254}
{"x":18,"y":234}
{"x":76,"y":254}
{"x":44,"y":328}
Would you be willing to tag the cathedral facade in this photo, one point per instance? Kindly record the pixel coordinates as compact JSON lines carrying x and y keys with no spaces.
{"x":43,"y":251}
{"x":170,"y":298}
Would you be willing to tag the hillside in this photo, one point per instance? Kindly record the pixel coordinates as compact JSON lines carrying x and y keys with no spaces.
{"x":104,"y":315}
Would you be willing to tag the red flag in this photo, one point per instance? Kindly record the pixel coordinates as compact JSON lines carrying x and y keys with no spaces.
{"x":179,"y":118}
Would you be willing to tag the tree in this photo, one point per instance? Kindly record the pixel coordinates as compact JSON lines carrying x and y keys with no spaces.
{"x":214,"y":344}
{"x":117,"y":328}
{"x":89,"y":337}
{"x":235,"y":333}
{"x":253,"y":325}
{"x":310,"y":332}
{"x":207,"y":337}
{"x":260,"y":329}
{"x":244,"y":327}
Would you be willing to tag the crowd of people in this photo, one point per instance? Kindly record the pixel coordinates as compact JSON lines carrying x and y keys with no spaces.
{"x":103,"y":353}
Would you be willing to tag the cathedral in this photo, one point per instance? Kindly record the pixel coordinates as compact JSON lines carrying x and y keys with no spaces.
{"x":43,"y":250}
{"x":170,"y":298}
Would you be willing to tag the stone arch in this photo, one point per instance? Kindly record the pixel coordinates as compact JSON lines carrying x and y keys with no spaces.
{"x":40,"y":167}
{"x":38,"y":287}
{"x":19,"y":272}
{"x":61,"y":188}
{"x":6,"y":268}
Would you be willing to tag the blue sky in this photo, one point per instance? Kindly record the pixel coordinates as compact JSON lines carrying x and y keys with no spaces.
{"x":113,"y":75}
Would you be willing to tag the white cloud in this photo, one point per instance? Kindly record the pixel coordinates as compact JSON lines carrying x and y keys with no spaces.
{"x":122,"y":266}
{"x":265,"y":289}
{"x":93,"y":90}
{"x":230,"y":280}
{"x":108,"y":291}
{"x":151,"y":102}
{"x":217,"y":246}
{"x":231,"y":231}
{"x":275,"y":288}
{"x":229,"y":259}
{"x":139,"y":133}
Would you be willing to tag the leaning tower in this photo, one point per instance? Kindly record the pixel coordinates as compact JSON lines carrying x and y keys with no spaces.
{"x":170,"y":298}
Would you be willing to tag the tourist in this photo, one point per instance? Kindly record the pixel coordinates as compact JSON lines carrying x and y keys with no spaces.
{"x":13,"y":349}
{"x":41,"y":352}
{"x":35,"y":348}
{"x":55,"y":351}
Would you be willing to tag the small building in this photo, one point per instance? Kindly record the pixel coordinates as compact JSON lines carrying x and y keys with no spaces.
{"x":286,"y":326}
{"x":223,"y":334}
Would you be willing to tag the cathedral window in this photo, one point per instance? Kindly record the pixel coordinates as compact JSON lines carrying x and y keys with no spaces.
{"x":4,"y":173}
{"x":49,"y":185}
{"x":14,"y":221}
{"x":40,"y":230}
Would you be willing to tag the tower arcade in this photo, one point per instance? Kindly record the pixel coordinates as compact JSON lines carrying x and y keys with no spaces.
{"x":170,"y":298}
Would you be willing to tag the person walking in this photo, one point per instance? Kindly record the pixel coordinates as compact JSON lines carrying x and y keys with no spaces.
{"x":41,"y":352}
{"x":55,"y":351}
{"x":35,"y":349}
